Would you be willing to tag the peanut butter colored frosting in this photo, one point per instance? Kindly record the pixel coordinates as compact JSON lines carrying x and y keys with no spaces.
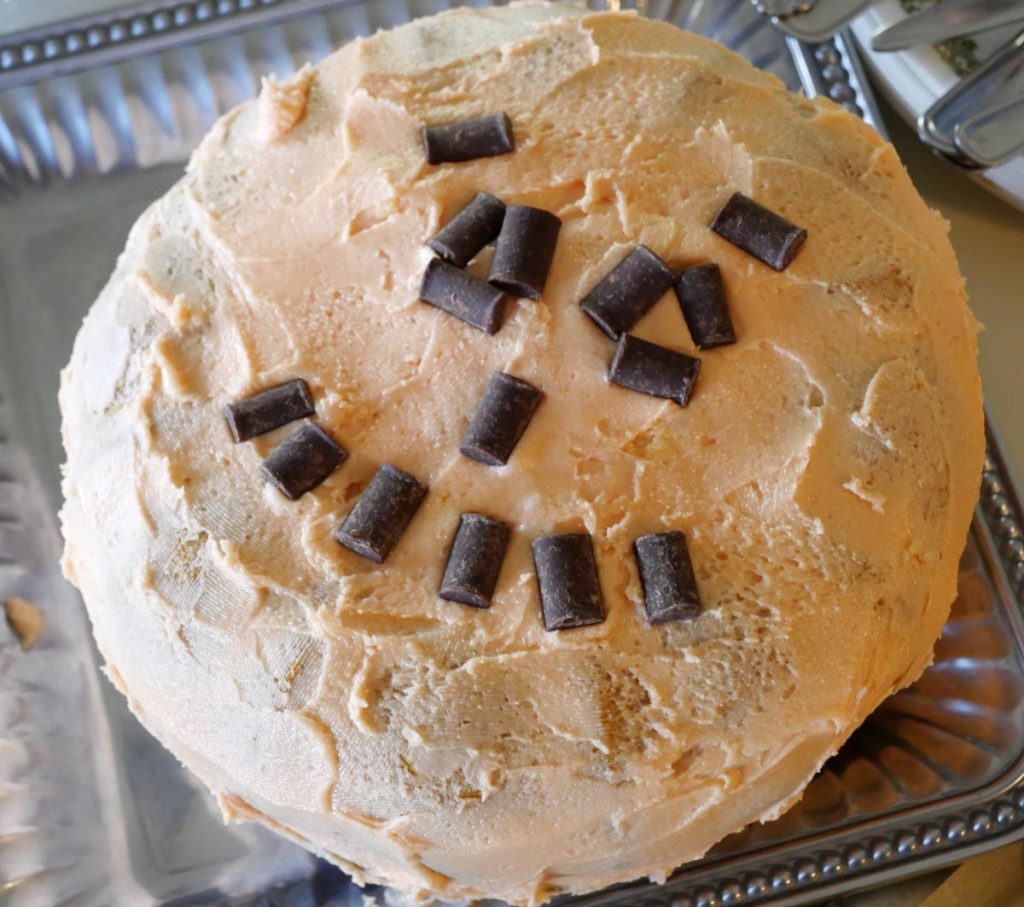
{"x":824,"y":471}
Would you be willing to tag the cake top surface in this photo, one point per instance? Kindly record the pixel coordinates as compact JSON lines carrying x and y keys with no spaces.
{"x":823,"y":471}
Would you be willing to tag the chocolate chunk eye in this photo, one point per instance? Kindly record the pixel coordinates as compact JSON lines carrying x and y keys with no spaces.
{"x":501,"y":418}
{"x":270,"y":409}
{"x":670,"y":589}
{"x":305,"y":458}
{"x":525,"y":248}
{"x":382,"y":513}
{"x":474,"y":561}
{"x":701,"y":295}
{"x":460,"y":294}
{"x":759,"y":232}
{"x":468,"y":139}
{"x":653,"y":370}
{"x":474,"y":227}
{"x":570,"y":591}
{"x":628,"y":292}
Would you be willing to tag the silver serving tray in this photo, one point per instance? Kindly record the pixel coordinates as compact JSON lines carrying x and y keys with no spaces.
{"x":96,"y":118}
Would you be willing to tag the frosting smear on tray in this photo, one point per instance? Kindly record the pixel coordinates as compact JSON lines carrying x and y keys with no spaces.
{"x":815,"y":489}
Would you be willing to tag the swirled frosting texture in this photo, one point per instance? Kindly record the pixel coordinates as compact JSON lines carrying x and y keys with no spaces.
{"x":824,"y":472}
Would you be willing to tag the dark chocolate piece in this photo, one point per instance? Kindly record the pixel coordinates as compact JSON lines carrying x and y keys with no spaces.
{"x":302,"y":461}
{"x":270,"y":409}
{"x":474,"y":227}
{"x":652,"y":369}
{"x":570,"y":591}
{"x":501,"y":417}
{"x":759,"y":232}
{"x":474,"y":561}
{"x":460,"y":294}
{"x":670,"y":589}
{"x":382,"y":513}
{"x":701,"y":294}
{"x":628,"y":292}
{"x":525,"y":248}
{"x":470,"y":139}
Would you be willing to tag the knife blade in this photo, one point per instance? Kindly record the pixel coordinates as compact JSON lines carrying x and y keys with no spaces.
{"x":948,"y":20}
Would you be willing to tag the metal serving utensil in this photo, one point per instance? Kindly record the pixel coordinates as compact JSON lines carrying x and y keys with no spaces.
{"x":948,"y":20}
{"x":973,"y":123}
{"x":979,"y":123}
{"x":993,"y":137}
{"x":812,"y":21}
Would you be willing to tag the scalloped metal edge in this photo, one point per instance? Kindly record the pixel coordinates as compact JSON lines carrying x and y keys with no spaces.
{"x":83,"y":42}
{"x":38,"y":47}
{"x":833,"y":70}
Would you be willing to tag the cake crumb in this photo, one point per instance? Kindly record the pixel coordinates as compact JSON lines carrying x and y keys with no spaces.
{"x":26,"y":620}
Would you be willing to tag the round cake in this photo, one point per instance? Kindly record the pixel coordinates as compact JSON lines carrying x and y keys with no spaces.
{"x":719,"y":510}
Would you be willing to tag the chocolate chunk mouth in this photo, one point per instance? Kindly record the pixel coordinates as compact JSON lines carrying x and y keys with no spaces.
{"x":381,"y":515}
{"x":501,"y":419}
{"x":570,"y":590}
{"x":666,"y":573}
{"x":474,"y":560}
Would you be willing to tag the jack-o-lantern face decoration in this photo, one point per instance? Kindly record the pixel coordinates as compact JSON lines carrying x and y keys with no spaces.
{"x":525,"y":240}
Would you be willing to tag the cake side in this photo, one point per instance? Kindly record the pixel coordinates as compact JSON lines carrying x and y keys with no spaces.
{"x":824,"y":471}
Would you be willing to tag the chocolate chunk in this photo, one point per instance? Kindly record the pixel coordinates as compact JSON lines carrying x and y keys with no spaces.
{"x":526,"y":245}
{"x":759,"y":232}
{"x":382,"y":513}
{"x":463,"y":295}
{"x":501,"y":417}
{"x":570,"y":592}
{"x":474,"y":227}
{"x":269,"y":409}
{"x":303,"y":460}
{"x":474,"y":561}
{"x":701,"y":296}
{"x":652,"y":369}
{"x":628,"y":292}
{"x":454,"y":142}
{"x":670,"y":589}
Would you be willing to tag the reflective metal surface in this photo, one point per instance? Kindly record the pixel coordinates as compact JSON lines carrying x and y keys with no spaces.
{"x":994,"y":85}
{"x":811,"y":22}
{"x":949,"y":19}
{"x":94,"y":812}
{"x":783,"y":9}
{"x":994,"y":134}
